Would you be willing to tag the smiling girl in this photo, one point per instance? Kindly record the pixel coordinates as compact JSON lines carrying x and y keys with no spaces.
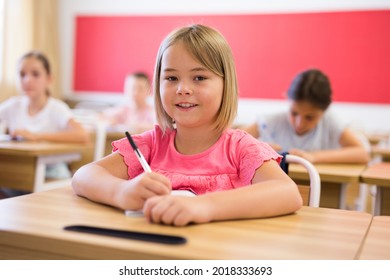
{"x":192,"y":148}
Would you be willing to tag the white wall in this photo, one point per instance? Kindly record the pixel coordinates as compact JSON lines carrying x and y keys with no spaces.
{"x":369,"y":117}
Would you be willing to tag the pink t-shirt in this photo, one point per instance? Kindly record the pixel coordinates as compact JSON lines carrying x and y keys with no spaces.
{"x":230,"y":163}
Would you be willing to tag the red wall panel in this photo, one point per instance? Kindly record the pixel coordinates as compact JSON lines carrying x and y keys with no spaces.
{"x":269,"y":49}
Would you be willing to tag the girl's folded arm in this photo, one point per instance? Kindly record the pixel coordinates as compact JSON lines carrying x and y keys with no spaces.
{"x":100,"y":180}
{"x":272,"y":193}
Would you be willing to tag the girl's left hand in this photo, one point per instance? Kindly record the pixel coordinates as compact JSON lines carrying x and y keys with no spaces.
{"x":176,"y":210}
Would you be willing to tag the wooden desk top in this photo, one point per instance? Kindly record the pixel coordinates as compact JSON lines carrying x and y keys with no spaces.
{"x":377,"y":174}
{"x":115,"y":135}
{"x":381,"y":151}
{"x":331,"y":172}
{"x":31,"y":226}
{"x":30,"y":148}
{"x":377,"y":243}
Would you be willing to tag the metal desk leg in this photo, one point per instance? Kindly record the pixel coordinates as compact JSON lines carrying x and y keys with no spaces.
{"x":378,"y":201}
{"x":39,"y":180}
{"x":363,"y":191}
{"x":343,"y":196}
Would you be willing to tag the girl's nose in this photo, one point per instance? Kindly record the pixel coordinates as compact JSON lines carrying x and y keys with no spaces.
{"x":183,"y":89}
{"x":26,"y":78}
{"x":298,"y":122}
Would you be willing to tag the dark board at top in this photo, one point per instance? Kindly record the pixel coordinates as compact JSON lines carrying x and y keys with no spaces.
{"x":270,"y":49}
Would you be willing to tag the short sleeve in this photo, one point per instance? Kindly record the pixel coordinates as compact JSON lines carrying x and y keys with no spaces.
{"x":253,"y":153}
{"x":123,"y":147}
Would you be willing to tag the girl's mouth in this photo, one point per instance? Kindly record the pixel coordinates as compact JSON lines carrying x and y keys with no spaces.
{"x":186,"y":105}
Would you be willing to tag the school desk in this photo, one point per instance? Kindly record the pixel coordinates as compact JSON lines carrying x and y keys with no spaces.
{"x":379,"y":175}
{"x":112,"y":136}
{"x":23,"y":163}
{"x":335,"y":178}
{"x":378,"y":138}
{"x":383,"y":152}
{"x":31,"y":227}
{"x":88,"y":152}
{"x":376,"y":245}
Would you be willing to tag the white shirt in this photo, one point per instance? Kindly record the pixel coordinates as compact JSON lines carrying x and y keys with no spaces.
{"x":277,"y":129}
{"x":52,"y":118}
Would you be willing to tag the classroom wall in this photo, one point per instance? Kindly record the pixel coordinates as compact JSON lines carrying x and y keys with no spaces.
{"x":72,"y":12}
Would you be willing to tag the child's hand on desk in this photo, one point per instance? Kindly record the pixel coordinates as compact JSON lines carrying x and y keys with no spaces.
{"x":136,"y":191}
{"x":177,"y":210}
{"x":303,"y":154}
{"x":24,"y":134}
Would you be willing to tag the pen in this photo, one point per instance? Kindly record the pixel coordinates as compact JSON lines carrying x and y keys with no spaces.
{"x":140,"y":157}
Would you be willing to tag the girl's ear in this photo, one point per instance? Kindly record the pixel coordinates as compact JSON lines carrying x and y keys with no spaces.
{"x":49,"y":79}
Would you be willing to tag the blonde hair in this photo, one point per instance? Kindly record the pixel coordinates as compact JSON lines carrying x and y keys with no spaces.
{"x":211,"y":49}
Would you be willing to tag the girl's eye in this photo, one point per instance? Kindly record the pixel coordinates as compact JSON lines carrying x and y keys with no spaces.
{"x":171,"y":78}
{"x":36,"y":74}
{"x":200,"y":78}
{"x":22,"y":74}
{"x":309,"y":118}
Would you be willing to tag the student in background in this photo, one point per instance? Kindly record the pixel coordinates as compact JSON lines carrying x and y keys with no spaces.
{"x":35,"y":115}
{"x":309,"y":129}
{"x":192,"y":148}
{"x":136,"y":114}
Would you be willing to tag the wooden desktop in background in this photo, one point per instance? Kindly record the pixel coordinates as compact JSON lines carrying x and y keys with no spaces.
{"x":379,"y":175}
{"x":112,"y":136}
{"x":22,"y":164}
{"x":87,"y":153}
{"x":31,"y":227}
{"x":334,"y":181}
{"x":383,"y":152}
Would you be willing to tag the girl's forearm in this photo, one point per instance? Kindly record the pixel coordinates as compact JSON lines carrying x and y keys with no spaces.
{"x":95,"y":183}
{"x":267,"y":199}
{"x":343,"y":155}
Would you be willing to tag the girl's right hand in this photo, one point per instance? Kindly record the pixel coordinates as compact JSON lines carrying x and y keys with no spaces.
{"x":136,"y":191}
{"x":24,"y":134}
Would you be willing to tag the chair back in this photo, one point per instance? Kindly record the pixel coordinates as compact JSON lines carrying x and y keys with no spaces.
{"x":314,"y":191}
{"x":97,"y":129}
